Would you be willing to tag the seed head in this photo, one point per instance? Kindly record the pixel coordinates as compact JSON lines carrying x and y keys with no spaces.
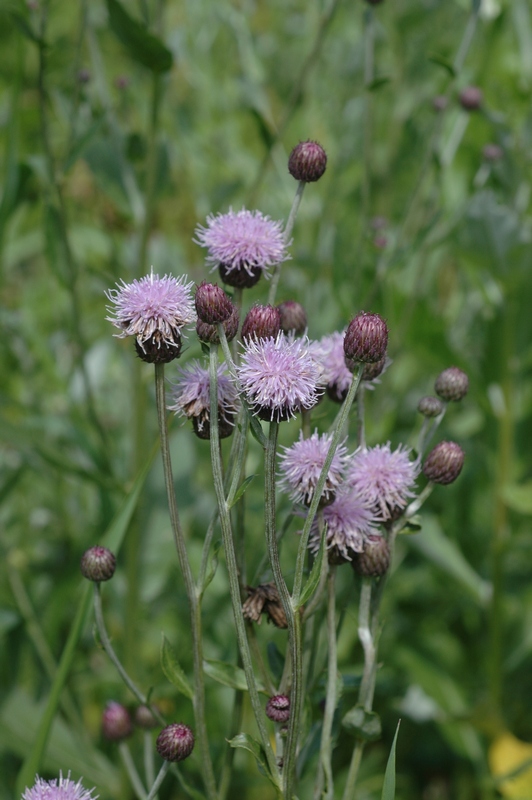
{"x":58,"y":789}
{"x":430,"y":406}
{"x":293,"y":317}
{"x":452,"y":384}
{"x":301,"y":465}
{"x":307,"y":162}
{"x":383,"y":478}
{"x":444,"y":463}
{"x":278,"y":708}
{"x":366,"y":338}
{"x":175,"y":742}
{"x":212,"y":304}
{"x":261,"y":322}
{"x":209,"y":333}
{"x":264,"y":600}
{"x":374,"y":561}
{"x":98,"y":564}
{"x":471,"y":98}
{"x":116,"y":722}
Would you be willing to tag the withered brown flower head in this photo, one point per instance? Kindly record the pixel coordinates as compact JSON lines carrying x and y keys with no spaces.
{"x":264,"y":600}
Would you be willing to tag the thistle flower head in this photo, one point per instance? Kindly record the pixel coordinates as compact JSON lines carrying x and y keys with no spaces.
{"x":383,"y":478}
{"x":278,"y":376}
{"x":444,"y":463}
{"x":375,"y":559}
{"x":301,"y":465}
{"x":98,"y":564}
{"x":209,"y":333}
{"x":175,"y":742}
{"x":366,"y":338}
{"x":329,"y":354}
{"x":261,"y":322}
{"x":349,"y":521}
{"x":212,"y":303}
{"x":307,"y":162}
{"x":278,"y":708}
{"x":191,"y":396}
{"x":293,"y":317}
{"x":154,"y":310}
{"x":247,"y":242}
{"x":430,"y":406}
{"x":116,"y":722}
{"x":452,"y":384}
{"x":58,"y":789}
{"x":471,"y":98}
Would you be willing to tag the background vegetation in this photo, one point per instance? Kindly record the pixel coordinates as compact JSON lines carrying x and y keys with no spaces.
{"x":113,"y":149}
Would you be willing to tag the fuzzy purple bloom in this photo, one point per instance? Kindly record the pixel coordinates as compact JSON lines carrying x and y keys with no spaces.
{"x":349,"y":521}
{"x":384,"y":479}
{"x":153,"y":309}
{"x":58,"y":789}
{"x":242,"y":240}
{"x":329,"y":354}
{"x":278,"y":376}
{"x":191,"y":396}
{"x":301,"y":465}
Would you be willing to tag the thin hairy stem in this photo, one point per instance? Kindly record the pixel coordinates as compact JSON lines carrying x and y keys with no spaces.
{"x":325,"y":773}
{"x":131,"y":770}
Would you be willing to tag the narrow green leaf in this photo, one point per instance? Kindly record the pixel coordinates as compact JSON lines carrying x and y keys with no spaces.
{"x":377,"y":83}
{"x":256,"y":430}
{"x":142,"y":46}
{"x":213,"y":565}
{"x":442,"y":62}
{"x":315,"y":573}
{"x":365,"y":725}
{"x":388,"y":788}
{"x":173,"y":670}
{"x":246,"y":742}
{"x":276,"y":661}
{"x":55,"y":243}
{"x":228,"y":675}
{"x":241,"y":489}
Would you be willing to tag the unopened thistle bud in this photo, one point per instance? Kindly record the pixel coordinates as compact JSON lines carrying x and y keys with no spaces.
{"x":372,"y":371}
{"x":293,"y":317}
{"x":175,"y":742}
{"x":98,"y":564}
{"x":366,"y":338}
{"x":374,"y":561}
{"x":209,"y":333}
{"x":116,"y":722}
{"x":212,"y":303}
{"x":261,"y":322}
{"x":444,"y":463}
{"x":144,"y":718}
{"x":430,"y":406}
{"x":492,"y":152}
{"x":452,"y":384}
{"x":278,"y":708}
{"x":471,"y":98}
{"x":307,"y":162}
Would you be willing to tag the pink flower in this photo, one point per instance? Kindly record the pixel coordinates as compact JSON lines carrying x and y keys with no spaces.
{"x":384,"y":479}
{"x":301,"y":465}
{"x":58,"y":789}
{"x":349,"y":520}
{"x":191,"y":395}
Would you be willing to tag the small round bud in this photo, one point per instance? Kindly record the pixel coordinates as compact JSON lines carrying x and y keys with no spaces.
{"x":471,"y":98}
{"x":84,"y":75}
{"x":278,"y":708}
{"x":444,"y":463}
{"x":261,"y":322}
{"x":440,"y":102}
{"x":307,"y":162}
{"x":293,"y":317}
{"x":156,"y":350}
{"x":98,"y":564}
{"x":122,"y":82}
{"x":212,"y":303}
{"x":240,"y":277}
{"x":492,"y":152}
{"x":175,"y":742}
{"x":452,"y":384}
{"x":209,"y":333}
{"x":116,"y":722}
{"x":430,"y":406}
{"x":366,"y":338}
{"x":374,"y":561}
{"x":144,"y":718}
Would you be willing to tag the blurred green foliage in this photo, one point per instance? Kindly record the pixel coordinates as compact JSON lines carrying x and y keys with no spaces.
{"x":122,"y":127}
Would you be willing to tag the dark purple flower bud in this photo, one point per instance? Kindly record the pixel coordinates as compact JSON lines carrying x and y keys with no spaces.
{"x":440,"y":102}
{"x":374,"y":561}
{"x":444,"y":463}
{"x":366,"y":338}
{"x":240,"y":277}
{"x":430,"y":406}
{"x":122,"y":82}
{"x":471,"y":98}
{"x":212,"y":303}
{"x":261,"y":322}
{"x":156,"y":350}
{"x":278,"y":708}
{"x":209,"y":333}
{"x":492,"y":152}
{"x":116,"y":722}
{"x":452,"y":384}
{"x":175,"y":742}
{"x":84,"y":75}
{"x":307,"y":162}
{"x":144,"y":718}
{"x":293,"y":317}
{"x":98,"y":564}
{"x":372,"y":371}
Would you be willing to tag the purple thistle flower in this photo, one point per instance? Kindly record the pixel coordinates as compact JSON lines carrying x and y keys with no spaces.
{"x":384,"y":479}
{"x":242,"y":240}
{"x":335,"y":376}
{"x":58,"y":789}
{"x":154,"y":310}
{"x":301,"y":465}
{"x":349,"y":520}
{"x":278,"y":376}
{"x":191,"y":397}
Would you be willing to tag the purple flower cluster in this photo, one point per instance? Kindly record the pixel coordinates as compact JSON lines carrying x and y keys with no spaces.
{"x":301,"y":465}
{"x":58,"y":789}
{"x":383,"y":479}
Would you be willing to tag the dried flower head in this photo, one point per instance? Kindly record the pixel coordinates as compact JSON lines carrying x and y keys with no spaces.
{"x":175,"y":742}
{"x":278,"y":376}
{"x":383,"y":478}
{"x":154,"y":310}
{"x":98,"y":564}
{"x":374,"y":561}
{"x":349,"y":520}
{"x":116,"y":722}
{"x":264,"y":600}
{"x":452,"y":384}
{"x":444,"y":463}
{"x":293,"y":317}
{"x":278,"y":708}
{"x":58,"y":789}
{"x":307,"y":161}
{"x":261,"y":322}
{"x":244,"y":244}
{"x":301,"y":465}
{"x":191,"y":398}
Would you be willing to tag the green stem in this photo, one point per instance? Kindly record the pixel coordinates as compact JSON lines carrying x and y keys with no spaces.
{"x":286,"y":236}
{"x":149,"y":766}
{"x":325,"y":769}
{"x":192,"y":594}
{"x":131,"y":771}
{"x":159,"y":779}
